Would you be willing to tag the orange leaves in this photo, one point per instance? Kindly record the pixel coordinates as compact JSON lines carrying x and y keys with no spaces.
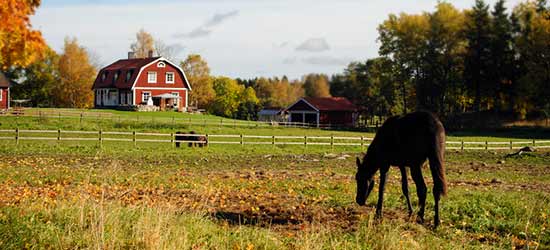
{"x":19,"y":45}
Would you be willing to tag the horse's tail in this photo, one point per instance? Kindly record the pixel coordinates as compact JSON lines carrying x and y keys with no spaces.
{"x":437,"y":165}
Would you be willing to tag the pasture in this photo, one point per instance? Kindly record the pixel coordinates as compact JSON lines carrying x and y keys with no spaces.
{"x":77,"y":195}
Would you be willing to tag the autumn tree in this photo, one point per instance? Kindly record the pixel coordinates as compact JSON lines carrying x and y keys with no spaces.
{"x":40,"y":80}
{"x":198,"y":73}
{"x":76,"y":76}
{"x":143,"y":44}
{"x":402,"y":39}
{"x":316,"y":85}
{"x":19,"y":44}
{"x":440,"y":69}
{"x":228,"y":93}
{"x":249,"y":105}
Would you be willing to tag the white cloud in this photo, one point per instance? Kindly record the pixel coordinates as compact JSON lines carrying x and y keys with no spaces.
{"x":314,"y":45}
{"x":207,"y":28}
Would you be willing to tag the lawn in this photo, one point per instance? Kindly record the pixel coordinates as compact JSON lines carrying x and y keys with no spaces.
{"x":80,"y":196}
{"x":67,"y":195}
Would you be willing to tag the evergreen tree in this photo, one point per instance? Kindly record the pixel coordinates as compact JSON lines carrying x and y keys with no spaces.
{"x":476,"y":62}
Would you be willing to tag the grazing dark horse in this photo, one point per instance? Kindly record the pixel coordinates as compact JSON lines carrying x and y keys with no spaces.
{"x":405,"y":141}
{"x":193,"y":140}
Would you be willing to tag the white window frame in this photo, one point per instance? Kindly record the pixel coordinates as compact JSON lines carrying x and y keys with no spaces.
{"x":161,"y":65}
{"x":177,"y":100}
{"x":143,"y":96}
{"x":1,"y":94}
{"x":173,"y":77}
{"x":149,"y":77}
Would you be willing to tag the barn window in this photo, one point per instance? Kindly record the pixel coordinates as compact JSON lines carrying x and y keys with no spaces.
{"x":145,"y":96}
{"x":151,"y":77}
{"x":103,"y":76}
{"x":129,"y":74}
{"x":115,"y":77}
{"x":170,"y":77}
{"x":1,"y":94}
{"x":161,"y":65}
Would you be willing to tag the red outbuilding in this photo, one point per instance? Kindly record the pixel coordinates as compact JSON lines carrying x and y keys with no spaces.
{"x":142,"y":81}
{"x":5,"y":84}
{"x":328,"y":111}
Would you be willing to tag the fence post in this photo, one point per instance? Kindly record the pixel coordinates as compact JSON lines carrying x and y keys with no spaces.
{"x":305,"y":141}
{"x":172,"y":139}
{"x":273,"y":141}
{"x":331,"y":142}
{"x":59,"y":135}
{"x":362,"y":143}
{"x":207,"y":139}
{"x":221,"y":123}
{"x":534,"y":144}
{"x":134,"y":138}
{"x":242,"y":140}
{"x":16,"y":136}
{"x":81,"y":116}
{"x":486,"y":145}
{"x":462,"y":145}
{"x":511,"y":147}
{"x":100,"y":139}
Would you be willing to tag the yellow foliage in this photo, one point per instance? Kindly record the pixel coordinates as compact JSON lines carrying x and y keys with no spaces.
{"x":77,"y":75}
{"x":19,"y":45}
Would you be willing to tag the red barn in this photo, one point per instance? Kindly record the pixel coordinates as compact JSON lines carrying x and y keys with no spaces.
{"x":142,"y":81}
{"x":333,"y":111}
{"x":5,"y":84}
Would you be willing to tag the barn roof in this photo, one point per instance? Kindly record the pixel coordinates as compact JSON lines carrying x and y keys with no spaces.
{"x":128,"y":71}
{"x":327,"y":103}
{"x":123,"y":67}
{"x":4,"y":81}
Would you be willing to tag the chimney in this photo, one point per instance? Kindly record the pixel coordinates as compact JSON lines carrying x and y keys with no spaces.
{"x":131,"y":55}
{"x":150,"y":53}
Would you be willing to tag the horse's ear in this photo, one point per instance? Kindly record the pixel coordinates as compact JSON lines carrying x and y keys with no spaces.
{"x":358,"y":162}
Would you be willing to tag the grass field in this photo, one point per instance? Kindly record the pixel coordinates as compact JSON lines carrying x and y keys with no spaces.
{"x":76,"y":195}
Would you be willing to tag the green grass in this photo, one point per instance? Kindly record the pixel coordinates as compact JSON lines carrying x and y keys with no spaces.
{"x":84,"y":197}
{"x":66,"y":195}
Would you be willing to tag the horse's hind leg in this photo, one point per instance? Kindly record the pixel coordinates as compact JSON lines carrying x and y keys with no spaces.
{"x":421,"y":190}
{"x":405,"y":188}
{"x":383,"y":178}
{"x":436,"y":208}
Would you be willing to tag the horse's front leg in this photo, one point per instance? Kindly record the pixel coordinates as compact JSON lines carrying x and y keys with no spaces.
{"x":405,"y":188}
{"x":383,"y":178}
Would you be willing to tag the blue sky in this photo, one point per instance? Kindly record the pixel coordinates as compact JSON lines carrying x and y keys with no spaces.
{"x":241,"y":38}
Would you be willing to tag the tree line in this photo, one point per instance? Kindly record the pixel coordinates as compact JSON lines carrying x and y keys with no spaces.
{"x":450,"y":61}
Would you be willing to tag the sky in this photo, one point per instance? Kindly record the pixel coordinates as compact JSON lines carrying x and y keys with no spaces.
{"x":238,"y":38}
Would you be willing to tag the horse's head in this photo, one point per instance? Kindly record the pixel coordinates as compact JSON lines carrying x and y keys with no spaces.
{"x":365,"y":182}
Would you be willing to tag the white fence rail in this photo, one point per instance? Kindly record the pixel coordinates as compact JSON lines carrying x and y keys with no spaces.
{"x":16,"y":135}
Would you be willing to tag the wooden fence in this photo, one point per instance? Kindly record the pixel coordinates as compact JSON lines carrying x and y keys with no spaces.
{"x":17,"y":135}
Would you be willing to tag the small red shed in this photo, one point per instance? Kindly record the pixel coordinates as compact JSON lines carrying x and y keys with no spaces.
{"x":142,"y":81}
{"x":331,"y":111}
{"x":5,"y":84}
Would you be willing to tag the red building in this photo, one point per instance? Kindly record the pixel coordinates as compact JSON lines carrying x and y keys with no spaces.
{"x":333,"y":111}
{"x":5,"y":84}
{"x":142,"y":81}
